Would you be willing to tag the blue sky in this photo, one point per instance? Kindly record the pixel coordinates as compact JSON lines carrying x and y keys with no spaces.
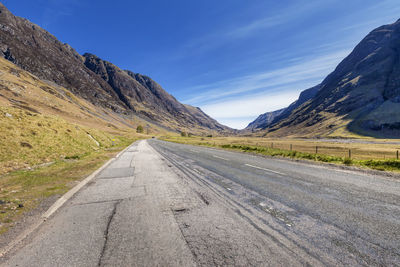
{"x":234,"y":59}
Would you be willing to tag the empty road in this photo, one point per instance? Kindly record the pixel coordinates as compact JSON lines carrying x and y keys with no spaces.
{"x":166,"y":204}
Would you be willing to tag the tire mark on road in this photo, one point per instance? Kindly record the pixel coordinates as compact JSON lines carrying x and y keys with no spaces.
{"x":281,"y":240}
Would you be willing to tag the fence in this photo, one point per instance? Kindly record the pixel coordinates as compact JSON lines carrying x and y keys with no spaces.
{"x":360,"y":153}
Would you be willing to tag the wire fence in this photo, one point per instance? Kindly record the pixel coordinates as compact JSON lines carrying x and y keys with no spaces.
{"x":358,"y":153}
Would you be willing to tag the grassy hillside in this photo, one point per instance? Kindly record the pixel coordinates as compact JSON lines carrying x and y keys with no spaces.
{"x":29,"y":139}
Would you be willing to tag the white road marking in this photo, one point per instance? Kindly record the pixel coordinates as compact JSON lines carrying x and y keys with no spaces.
{"x":264,"y":169}
{"x":196,"y":170}
{"x":194,"y":150}
{"x":220,"y":158}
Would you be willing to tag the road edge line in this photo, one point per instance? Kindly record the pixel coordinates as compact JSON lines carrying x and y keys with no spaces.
{"x":58,"y":204}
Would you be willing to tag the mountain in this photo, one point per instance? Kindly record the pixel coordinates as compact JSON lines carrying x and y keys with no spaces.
{"x":264,"y":120}
{"x":97,"y":81}
{"x":361,"y":96}
{"x":146,"y":97}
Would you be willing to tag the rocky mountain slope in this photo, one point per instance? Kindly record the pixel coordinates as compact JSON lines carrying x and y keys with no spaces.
{"x":362,"y":95}
{"x":90,"y":78}
{"x":146,"y":97}
{"x":264,"y":120}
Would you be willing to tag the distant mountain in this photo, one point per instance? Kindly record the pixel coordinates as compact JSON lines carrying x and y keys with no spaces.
{"x":268,"y":119}
{"x":95,"y":80}
{"x":362,"y":95}
{"x":264,"y":120}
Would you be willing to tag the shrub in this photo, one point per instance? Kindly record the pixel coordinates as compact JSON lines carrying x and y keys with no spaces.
{"x":347,"y":161}
{"x":139,"y":129}
{"x":183,"y":134}
{"x":382,"y":164}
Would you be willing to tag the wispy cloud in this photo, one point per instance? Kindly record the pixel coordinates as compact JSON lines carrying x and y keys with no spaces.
{"x":279,"y":80}
{"x":57,"y":9}
{"x":228,"y":33}
{"x":284,"y":16}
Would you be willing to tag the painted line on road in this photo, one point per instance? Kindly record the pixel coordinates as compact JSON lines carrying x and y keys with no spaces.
{"x":194,"y":151}
{"x":264,"y":169}
{"x":220,"y":157}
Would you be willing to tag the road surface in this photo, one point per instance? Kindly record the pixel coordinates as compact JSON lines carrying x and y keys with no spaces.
{"x":166,"y":204}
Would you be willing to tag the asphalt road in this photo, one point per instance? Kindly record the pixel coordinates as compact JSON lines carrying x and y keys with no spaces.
{"x":166,"y":204}
{"x":334,"y":216}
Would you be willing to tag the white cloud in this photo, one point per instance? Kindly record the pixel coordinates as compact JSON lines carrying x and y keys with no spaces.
{"x":240,"y":112}
{"x":235,"y":123}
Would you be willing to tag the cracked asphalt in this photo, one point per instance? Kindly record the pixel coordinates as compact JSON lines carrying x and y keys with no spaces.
{"x":166,"y":204}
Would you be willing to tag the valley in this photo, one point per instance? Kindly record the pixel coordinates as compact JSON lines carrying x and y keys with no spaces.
{"x":101,"y":166}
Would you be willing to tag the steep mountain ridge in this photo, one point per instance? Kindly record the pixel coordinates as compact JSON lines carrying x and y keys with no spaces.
{"x":146,"y":97}
{"x":37,"y":51}
{"x":97,"y":81}
{"x":362,"y":95}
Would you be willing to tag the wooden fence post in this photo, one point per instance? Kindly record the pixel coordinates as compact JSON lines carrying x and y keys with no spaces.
{"x":349,"y":153}
{"x":316,"y":149}
{"x":272,"y":145}
{"x":397,"y":154}
{"x":291,"y":147}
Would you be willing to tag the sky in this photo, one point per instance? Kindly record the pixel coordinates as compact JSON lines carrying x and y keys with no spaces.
{"x":235,"y":59}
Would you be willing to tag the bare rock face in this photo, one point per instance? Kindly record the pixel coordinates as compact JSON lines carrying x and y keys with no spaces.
{"x":98,"y":81}
{"x":363,"y":89}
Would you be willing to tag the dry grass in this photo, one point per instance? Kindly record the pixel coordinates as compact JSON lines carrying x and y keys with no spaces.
{"x":28,"y":139}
